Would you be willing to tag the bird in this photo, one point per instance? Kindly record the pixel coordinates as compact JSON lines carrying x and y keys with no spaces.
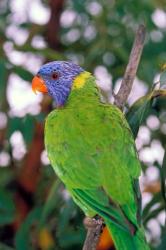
{"x":92,"y":150}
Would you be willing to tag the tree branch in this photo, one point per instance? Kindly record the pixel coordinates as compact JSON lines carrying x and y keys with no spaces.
{"x":53,"y":26}
{"x":131,"y":69}
{"x":94,"y":226}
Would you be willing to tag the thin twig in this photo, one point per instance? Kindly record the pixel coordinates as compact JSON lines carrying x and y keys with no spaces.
{"x":131,"y":69}
{"x":94,"y":227}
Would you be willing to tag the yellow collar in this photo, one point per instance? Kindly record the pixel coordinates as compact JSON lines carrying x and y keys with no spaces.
{"x":80,"y":80}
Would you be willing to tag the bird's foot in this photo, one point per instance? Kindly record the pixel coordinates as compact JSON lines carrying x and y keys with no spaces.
{"x":93,"y":222}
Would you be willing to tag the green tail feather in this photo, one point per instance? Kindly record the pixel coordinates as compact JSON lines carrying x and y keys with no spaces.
{"x":126,"y":241}
{"x":115,"y":221}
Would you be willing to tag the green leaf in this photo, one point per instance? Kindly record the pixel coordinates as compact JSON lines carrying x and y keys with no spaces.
{"x":66,"y":233}
{"x":140,"y":110}
{"x":65,"y":215}
{"x":6,"y":176}
{"x":27,"y":129}
{"x":154,"y":213}
{"x":25,"y":125}
{"x":3,"y":76}
{"x":138,"y":113}
{"x":156,"y":199}
{"x":163,"y":178}
{"x":162,"y":245}
{"x":23,"y":239}
{"x":163,"y":78}
{"x":23,"y":73}
{"x":51,"y":203}
{"x":7,"y":207}
{"x":72,"y":237}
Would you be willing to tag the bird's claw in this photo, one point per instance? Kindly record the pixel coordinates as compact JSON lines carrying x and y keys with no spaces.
{"x":93,"y":222}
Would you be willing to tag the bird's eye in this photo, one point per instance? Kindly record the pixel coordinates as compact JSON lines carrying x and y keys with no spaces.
{"x":55,"y":76}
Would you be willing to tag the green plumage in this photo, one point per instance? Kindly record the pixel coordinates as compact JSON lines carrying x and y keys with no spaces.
{"x":92,"y":150}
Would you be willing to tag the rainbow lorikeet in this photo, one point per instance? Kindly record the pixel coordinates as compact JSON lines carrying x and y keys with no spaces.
{"x":92,"y":150}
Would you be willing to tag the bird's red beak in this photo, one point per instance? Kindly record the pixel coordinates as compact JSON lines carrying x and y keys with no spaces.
{"x":38,"y":84}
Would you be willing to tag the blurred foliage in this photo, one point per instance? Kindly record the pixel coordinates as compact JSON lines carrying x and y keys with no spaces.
{"x":36,"y":211}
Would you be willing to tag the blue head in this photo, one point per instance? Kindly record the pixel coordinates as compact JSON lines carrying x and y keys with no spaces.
{"x":56,"y":78}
